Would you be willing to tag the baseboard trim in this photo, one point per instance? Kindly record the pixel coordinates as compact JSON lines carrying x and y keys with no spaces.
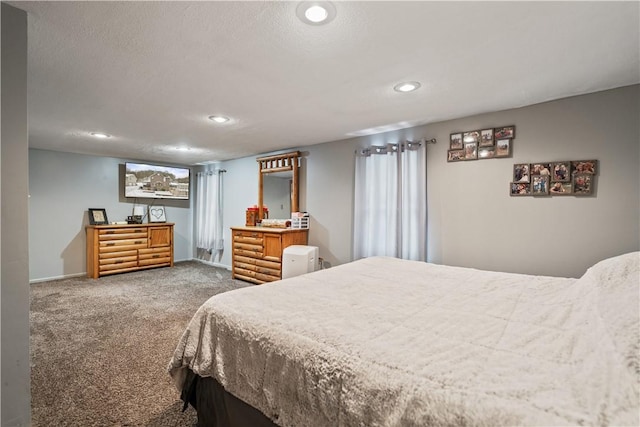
{"x":84,"y":273}
{"x":64,"y":276}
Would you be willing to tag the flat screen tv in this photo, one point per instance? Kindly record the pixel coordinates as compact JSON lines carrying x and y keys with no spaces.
{"x":156,"y":182}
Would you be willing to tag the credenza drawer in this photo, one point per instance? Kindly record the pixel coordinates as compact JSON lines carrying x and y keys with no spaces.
{"x":154,"y":255}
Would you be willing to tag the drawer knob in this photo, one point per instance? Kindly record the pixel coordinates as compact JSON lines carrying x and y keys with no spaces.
{"x":119,"y":261}
{"x":156,"y":256}
{"x":111,"y":244}
{"x":138,"y":242}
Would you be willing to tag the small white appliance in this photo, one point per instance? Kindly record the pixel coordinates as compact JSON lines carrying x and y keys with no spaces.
{"x":299,"y":259}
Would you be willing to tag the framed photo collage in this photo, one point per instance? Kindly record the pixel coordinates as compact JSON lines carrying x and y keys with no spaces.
{"x":481,"y":144}
{"x":566,"y":178}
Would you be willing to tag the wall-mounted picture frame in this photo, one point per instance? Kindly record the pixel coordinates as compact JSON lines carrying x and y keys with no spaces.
{"x":486,"y":152}
{"x":520,"y":189}
{"x":505,"y":132}
{"x":98,"y":216}
{"x":558,"y":188}
{"x":560,"y":171}
{"x":470,"y":150}
{"x":472,"y":136}
{"x":455,"y":155}
{"x":503,"y":147}
{"x":521,"y":172}
{"x":584,"y":167}
{"x":157,"y":214}
{"x":486,"y":138}
{"x":540,"y":185}
{"x":455,"y":141}
{"x":583,"y":184}
{"x":541,"y":169}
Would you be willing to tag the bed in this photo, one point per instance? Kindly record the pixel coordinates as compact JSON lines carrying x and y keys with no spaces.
{"x":389,"y":342}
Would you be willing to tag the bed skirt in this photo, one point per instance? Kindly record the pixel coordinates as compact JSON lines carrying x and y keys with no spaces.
{"x":218,"y":408}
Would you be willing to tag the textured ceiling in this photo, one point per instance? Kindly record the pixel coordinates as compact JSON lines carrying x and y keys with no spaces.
{"x":150,"y":73}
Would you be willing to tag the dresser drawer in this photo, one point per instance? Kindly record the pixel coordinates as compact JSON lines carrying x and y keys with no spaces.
{"x":269,"y":264}
{"x":268,"y":271}
{"x":121,"y":234}
{"x":246,"y":253}
{"x":118,"y":254}
{"x":141,"y":242}
{"x":246,"y":273}
{"x":243,"y":233}
{"x":155,"y":255}
{"x":251,"y":240}
{"x":266,"y":277}
{"x":119,"y":260}
{"x":118,"y":266}
{"x":151,"y":251}
{"x":245,"y":259}
{"x":165,"y":260}
{"x":243,"y":266}
{"x":247,"y":247}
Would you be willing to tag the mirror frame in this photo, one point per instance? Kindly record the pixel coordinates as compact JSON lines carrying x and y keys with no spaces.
{"x":278,"y":163}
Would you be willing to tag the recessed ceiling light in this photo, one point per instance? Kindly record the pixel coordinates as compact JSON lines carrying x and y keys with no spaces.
{"x":100,"y":135}
{"x":406,"y":87}
{"x":316,"y":12}
{"x":219,"y":119}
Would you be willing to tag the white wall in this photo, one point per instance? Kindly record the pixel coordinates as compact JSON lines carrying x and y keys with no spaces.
{"x":62,"y":186}
{"x":472,"y":220}
{"x":14,"y":253}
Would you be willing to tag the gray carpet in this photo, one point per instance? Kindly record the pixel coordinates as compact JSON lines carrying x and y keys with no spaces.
{"x":100,"y":348}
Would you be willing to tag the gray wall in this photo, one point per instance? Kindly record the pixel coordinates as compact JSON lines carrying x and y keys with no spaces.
{"x":62,"y":186}
{"x":472,"y":220}
{"x":14,"y":253}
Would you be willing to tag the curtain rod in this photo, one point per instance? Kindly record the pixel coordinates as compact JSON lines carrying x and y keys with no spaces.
{"x":367,"y":151}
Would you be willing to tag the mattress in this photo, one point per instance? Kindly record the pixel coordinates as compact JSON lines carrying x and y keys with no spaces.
{"x":389,"y":342}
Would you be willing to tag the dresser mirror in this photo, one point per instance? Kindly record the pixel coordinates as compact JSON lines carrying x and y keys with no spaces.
{"x":278,"y":184}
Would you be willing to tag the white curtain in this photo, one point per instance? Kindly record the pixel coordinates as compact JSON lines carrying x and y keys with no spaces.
{"x":209,"y":212}
{"x":390,"y":209}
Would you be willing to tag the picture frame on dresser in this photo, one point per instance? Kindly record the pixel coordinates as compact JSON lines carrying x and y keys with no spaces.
{"x":157,"y":214}
{"x":98,"y":216}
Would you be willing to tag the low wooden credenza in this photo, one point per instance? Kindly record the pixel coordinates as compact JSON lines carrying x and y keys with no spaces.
{"x":257,"y":251}
{"x":128,"y":247}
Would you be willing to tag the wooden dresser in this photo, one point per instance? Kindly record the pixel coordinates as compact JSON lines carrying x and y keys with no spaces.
{"x":257,"y":251}
{"x":128,"y":247}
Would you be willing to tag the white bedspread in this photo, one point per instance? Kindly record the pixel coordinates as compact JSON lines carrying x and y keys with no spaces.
{"x":386,"y":342}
